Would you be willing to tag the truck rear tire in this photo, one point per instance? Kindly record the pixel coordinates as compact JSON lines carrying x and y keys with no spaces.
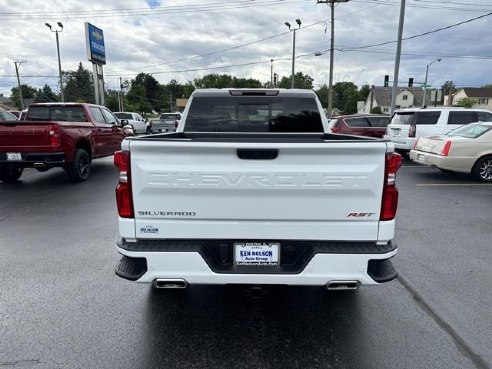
{"x":80,"y":168}
{"x":10,"y":173}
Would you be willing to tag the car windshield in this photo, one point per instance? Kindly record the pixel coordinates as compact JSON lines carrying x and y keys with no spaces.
{"x":253,"y":114}
{"x":470,"y":131}
{"x":402,"y":118}
{"x":123,"y":115}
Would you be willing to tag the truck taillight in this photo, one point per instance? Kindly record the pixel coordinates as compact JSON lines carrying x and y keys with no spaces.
{"x":412,"y":131}
{"x":390,"y":192}
{"x":446,"y":148}
{"x":124,"y":189}
{"x":54,"y":132}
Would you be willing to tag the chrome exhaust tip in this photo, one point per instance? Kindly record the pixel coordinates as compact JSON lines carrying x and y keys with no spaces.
{"x":170,"y":283}
{"x":342,"y":285}
{"x":39,"y":165}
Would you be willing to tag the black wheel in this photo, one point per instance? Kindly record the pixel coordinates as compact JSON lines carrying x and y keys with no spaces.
{"x":80,"y":168}
{"x":148,"y":131}
{"x":10,"y":173}
{"x":482,"y":170}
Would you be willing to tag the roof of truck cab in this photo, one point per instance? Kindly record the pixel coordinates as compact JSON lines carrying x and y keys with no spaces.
{"x":63,"y":104}
{"x":280,"y":91}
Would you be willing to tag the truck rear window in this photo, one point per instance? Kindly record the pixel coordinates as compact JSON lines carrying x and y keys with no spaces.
{"x":421,"y":117}
{"x":253,"y":114}
{"x":57,"y":113}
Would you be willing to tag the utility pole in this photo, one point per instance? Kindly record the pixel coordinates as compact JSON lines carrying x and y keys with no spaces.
{"x":121,"y":95}
{"x":398,"y":56}
{"x":332,"y":49}
{"x":271,"y":72}
{"x":17,"y":65}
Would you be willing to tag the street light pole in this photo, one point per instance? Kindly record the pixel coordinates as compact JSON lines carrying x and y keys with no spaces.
{"x":425,"y":83}
{"x":332,"y":49}
{"x":298,"y":21}
{"x":58,"y":52}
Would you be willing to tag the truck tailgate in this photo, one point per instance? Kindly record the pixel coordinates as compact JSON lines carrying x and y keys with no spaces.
{"x":329,"y":190}
{"x":22,"y":136}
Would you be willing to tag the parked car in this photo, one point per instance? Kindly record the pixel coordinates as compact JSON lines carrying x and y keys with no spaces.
{"x":407,"y":125}
{"x":5,"y":115}
{"x":167,"y":122}
{"x":17,"y":113}
{"x":67,"y":135}
{"x":465,"y":150}
{"x":139,"y":124}
{"x":360,"y":125}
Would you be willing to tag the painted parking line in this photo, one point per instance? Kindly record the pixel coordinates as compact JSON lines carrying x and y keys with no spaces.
{"x":452,"y":184}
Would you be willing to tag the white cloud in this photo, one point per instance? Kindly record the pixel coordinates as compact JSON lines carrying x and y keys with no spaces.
{"x":140,"y":37}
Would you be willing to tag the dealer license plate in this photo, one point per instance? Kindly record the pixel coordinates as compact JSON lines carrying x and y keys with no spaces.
{"x":16,"y":156}
{"x":256,"y":253}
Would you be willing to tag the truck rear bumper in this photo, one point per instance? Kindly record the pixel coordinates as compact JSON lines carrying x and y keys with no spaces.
{"x":318,"y":269}
{"x":33,"y":159}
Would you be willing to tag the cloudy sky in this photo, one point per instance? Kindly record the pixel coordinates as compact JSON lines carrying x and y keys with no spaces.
{"x":186,"y":39}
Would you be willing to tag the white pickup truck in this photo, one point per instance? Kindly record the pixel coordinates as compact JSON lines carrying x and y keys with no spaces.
{"x":251,"y":190}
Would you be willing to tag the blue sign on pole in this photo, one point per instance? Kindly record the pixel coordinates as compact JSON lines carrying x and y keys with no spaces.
{"x":96,"y":51}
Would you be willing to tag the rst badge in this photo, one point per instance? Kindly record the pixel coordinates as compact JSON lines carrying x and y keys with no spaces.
{"x":360,"y":215}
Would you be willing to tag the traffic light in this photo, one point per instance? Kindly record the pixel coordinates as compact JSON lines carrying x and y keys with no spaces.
{"x":386,"y":80}
{"x":410,"y":82}
{"x":275,"y":79}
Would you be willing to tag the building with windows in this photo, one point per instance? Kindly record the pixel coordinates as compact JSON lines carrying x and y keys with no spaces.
{"x":407,"y":97}
{"x":482,"y":96}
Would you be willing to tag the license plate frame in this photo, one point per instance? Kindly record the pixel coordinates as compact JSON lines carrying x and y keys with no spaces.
{"x":262,"y":254}
{"x":14,"y":156}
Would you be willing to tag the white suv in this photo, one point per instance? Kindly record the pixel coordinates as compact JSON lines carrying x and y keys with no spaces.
{"x":407,"y":125}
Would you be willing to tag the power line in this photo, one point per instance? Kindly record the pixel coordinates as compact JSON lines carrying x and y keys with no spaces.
{"x":217,"y":51}
{"x":424,"y":33}
{"x":151,"y":12}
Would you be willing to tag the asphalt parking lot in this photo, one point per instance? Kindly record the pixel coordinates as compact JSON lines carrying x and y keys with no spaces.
{"x":61,"y":306}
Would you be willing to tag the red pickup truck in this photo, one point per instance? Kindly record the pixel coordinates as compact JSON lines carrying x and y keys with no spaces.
{"x":67,"y":135}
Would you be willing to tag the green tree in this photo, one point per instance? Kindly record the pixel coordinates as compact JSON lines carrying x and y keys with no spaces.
{"x":376,"y":110}
{"x":152,"y":88}
{"x":467,"y":102}
{"x":301,"y":80}
{"x":188,"y":89}
{"x":79,"y":85}
{"x":137,"y":100}
{"x":322,"y":93}
{"x":246,"y":83}
{"x":213,"y":81}
{"x":45,"y":94}
{"x":112,"y":100}
{"x":345,"y":97}
{"x":447,"y":86}
{"x":364,"y":92}
{"x":28,"y":92}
